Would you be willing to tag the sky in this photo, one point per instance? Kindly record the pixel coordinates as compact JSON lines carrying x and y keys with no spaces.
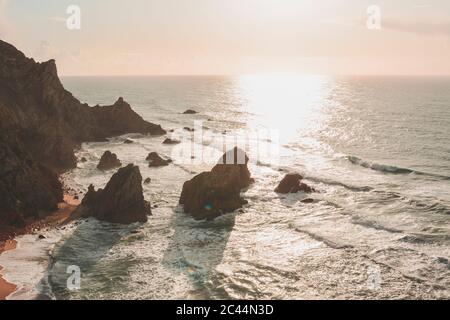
{"x":230,"y":37}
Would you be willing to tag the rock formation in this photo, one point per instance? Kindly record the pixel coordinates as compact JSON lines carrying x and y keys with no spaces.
{"x":121,"y":201}
{"x":156,"y":161}
{"x":109,"y":161}
{"x":211,"y":194}
{"x":291,"y":183}
{"x":190,"y":111}
{"x":170,"y":141}
{"x":40,"y":125}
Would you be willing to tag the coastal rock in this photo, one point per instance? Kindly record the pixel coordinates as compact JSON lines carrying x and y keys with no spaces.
{"x":122,"y":200}
{"x":128,"y":141}
{"x":170,"y":141}
{"x":109,"y":161}
{"x":189,"y":129}
{"x":83,"y":160}
{"x":41,"y":124}
{"x":147,"y":181}
{"x":211,"y":194}
{"x":156,"y":161}
{"x":190,"y":111}
{"x":291,"y":183}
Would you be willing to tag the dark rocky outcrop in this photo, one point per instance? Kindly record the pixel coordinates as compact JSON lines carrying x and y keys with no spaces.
{"x":211,"y":194}
{"x":148,"y":181}
{"x":170,"y":141}
{"x":291,"y":183}
{"x":121,"y":201}
{"x":156,"y":161}
{"x":190,"y":111}
{"x":109,"y":161}
{"x":40,"y":126}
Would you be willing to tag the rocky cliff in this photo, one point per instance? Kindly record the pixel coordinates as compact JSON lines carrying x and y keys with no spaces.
{"x":41,"y":124}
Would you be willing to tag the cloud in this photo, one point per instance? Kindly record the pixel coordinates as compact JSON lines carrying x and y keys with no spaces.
{"x":57,"y":19}
{"x":432,"y":28}
{"x":45,"y":51}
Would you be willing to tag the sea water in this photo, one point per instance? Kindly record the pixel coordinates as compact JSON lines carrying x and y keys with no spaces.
{"x":376,"y":148}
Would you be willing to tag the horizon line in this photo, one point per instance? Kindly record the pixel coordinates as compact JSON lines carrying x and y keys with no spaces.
{"x":252,"y":74}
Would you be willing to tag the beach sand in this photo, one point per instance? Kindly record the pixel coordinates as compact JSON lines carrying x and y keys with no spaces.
{"x":6,"y":288}
{"x":61,"y":216}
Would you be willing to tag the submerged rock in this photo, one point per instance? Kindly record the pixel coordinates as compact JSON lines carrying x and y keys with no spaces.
{"x":122,"y":200}
{"x":170,"y":141}
{"x":109,"y":161}
{"x":156,"y":161}
{"x":190,"y":111}
{"x":291,"y":183}
{"x":211,"y":194}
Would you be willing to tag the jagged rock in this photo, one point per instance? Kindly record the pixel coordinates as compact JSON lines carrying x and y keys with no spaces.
{"x":190,"y":111}
{"x":41,"y":237}
{"x":109,"y":161}
{"x":122,"y":200}
{"x":291,"y":183}
{"x":170,"y":141}
{"x":41,"y":124}
{"x":156,"y":161}
{"x":305,"y":188}
{"x":147,"y":181}
{"x":211,"y":194}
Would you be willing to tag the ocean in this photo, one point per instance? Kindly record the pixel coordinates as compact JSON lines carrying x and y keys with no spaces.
{"x":376,"y":148}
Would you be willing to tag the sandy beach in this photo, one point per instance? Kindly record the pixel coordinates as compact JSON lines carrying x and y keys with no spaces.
{"x":61,"y":216}
{"x":6,"y":288}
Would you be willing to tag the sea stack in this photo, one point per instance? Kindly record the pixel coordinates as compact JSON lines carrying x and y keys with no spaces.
{"x":109,"y":161}
{"x":214,"y":193}
{"x":122,"y":200}
{"x":156,"y":161}
{"x":292,"y":183}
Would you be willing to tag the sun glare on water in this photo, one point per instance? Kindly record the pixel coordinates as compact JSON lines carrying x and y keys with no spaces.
{"x":287,"y":103}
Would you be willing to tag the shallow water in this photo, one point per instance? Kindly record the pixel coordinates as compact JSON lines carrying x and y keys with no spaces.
{"x":376,"y":149}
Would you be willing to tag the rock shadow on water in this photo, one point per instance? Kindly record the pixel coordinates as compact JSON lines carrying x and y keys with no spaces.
{"x":87,"y":248}
{"x":197,"y":249}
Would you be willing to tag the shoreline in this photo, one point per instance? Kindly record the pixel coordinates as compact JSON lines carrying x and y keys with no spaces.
{"x":6,"y":288}
{"x":59,"y":217}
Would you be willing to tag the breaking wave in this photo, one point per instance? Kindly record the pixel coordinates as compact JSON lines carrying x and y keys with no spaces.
{"x":390,"y":169}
